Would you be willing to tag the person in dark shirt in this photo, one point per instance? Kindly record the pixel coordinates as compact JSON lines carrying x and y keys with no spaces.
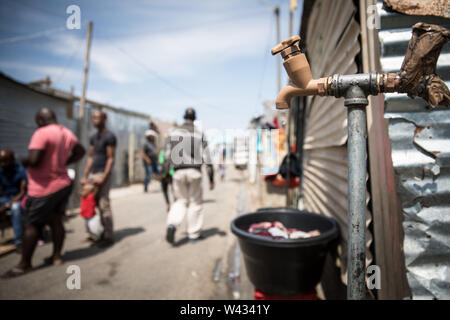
{"x":150,"y":157}
{"x":13,"y":181}
{"x":99,"y":171}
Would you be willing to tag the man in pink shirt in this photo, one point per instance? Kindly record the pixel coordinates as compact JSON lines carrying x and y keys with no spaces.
{"x":52,"y":148}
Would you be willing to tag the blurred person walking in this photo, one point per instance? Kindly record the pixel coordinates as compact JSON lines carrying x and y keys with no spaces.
{"x":150,"y":157}
{"x":166,"y":176}
{"x":98,"y":171}
{"x":222,"y":163}
{"x":52,"y":148}
{"x":187,"y":151}
{"x":13,"y":182}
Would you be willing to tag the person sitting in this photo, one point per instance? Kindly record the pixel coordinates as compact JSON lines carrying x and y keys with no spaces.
{"x":13,"y":180}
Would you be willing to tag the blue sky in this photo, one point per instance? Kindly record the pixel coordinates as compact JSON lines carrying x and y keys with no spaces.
{"x":156,"y":57}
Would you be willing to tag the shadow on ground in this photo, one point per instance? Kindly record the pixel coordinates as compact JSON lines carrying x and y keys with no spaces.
{"x":92,"y":250}
{"x":204,"y":235}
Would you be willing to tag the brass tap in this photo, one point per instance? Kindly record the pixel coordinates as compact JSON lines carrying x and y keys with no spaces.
{"x":297,"y":67}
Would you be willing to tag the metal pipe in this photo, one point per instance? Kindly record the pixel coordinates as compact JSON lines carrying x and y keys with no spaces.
{"x":356,"y":117}
{"x":355,"y":91}
{"x":288,"y":159}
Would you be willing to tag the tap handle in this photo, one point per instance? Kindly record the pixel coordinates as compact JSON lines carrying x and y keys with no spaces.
{"x":285,"y":44}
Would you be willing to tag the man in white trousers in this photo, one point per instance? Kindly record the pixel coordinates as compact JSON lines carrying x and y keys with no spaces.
{"x":187,"y":151}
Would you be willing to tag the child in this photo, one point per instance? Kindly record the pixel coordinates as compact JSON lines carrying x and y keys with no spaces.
{"x":87,"y":210}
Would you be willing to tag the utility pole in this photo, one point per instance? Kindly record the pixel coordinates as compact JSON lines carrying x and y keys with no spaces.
{"x":86,"y":68}
{"x":81,"y":132}
{"x":277,"y":15}
{"x":292,"y":7}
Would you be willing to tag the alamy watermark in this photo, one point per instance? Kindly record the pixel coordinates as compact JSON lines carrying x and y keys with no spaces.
{"x":373,"y":277}
{"x":373,"y":18}
{"x":226,"y":147}
{"x":73,"y":281}
{"x":73,"y":21}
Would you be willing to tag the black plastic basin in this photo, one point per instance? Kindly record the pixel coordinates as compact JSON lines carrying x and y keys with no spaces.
{"x":285,"y":267}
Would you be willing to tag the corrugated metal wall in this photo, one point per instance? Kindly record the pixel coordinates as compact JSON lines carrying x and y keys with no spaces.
{"x":332,"y":46}
{"x":122,"y":125}
{"x":420,"y":142}
{"x":19,"y":104}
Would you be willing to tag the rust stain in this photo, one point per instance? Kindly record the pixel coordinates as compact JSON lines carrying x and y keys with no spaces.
{"x":418,"y":130}
{"x":425,"y":204}
{"x":416,"y":7}
{"x":408,"y":7}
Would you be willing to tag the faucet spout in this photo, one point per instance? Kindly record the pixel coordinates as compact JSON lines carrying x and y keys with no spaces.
{"x":297,"y":67}
{"x":312,"y":88}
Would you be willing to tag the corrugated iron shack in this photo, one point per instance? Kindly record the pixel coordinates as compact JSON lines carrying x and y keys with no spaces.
{"x":19,"y":103}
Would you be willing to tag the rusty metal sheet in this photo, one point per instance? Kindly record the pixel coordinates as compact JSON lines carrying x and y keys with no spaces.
{"x":327,"y":119}
{"x":325,"y":188}
{"x":421,"y":155}
{"x":419,"y":7}
{"x":420,"y":142}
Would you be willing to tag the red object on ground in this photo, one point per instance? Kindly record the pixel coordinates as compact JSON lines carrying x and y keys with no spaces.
{"x":260,"y":295}
{"x":275,"y":123}
{"x":87,"y":206}
{"x":278,"y":181}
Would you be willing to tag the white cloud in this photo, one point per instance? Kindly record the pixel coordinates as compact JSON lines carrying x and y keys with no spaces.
{"x":98,"y":96}
{"x":203,"y":61}
{"x":40,"y":71}
{"x":183,"y":53}
{"x":171,"y":54}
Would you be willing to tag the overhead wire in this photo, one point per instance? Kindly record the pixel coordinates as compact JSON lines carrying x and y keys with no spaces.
{"x":167,"y":82}
{"x":170,"y":83}
{"x":37,"y":8}
{"x":69,"y":62}
{"x":185,"y":27}
{"x":133,"y":58}
{"x":31,"y":36}
{"x":266,"y":56}
{"x":39,"y":34}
